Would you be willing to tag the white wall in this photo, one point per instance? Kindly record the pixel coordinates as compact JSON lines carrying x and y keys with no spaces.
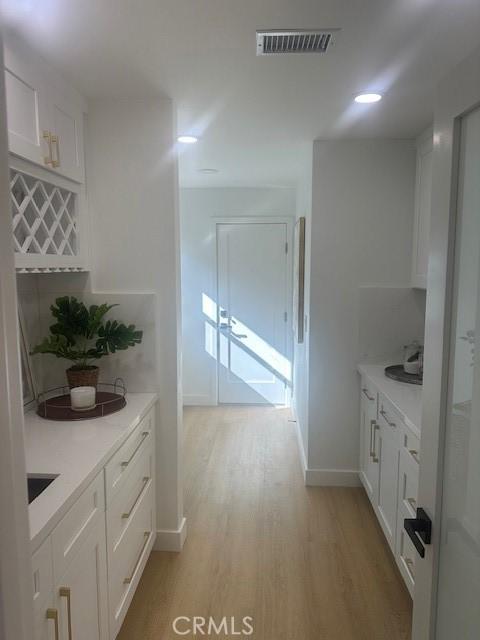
{"x":362,"y":221}
{"x":136,"y":366}
{"x":198,"y":208}
{"x":132,"y":190}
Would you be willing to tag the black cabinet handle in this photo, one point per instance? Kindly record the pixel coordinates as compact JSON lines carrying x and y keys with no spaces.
{"x":419,"y":530}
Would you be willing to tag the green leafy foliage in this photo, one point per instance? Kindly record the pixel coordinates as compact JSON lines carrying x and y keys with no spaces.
{"x":81,"y":334}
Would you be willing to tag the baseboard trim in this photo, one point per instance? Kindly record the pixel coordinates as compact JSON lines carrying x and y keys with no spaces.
{"x":171,"y":539}
{"x":301,"y":450}
{"x":190,"y":400}
{"x":332,"y":478}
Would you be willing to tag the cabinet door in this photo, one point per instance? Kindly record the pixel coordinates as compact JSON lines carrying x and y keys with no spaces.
{"x":387,"y":453}
{"x":45,"y":620}
{"x":27,"y":111}
{"x":368,"y":459}
{"x":423,"y":192}
{"x":82,"y":591}
{"x":66,"y":121}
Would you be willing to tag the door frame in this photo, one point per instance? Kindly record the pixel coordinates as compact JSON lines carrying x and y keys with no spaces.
{"x":16,"y":589}
{"x":457,"y":95}
{"x":289,"y":222}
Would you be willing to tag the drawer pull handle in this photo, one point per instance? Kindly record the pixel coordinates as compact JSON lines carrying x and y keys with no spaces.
{"x":129,"y":513}
{"x":147,"y":537}
{"x":65,"y":592}
{"x":410,"y":566}
{"x":47,"y":136}
{"x":127,"y":462}
{"x":384,"y":414}
{"x":412,"y":502}
{"x":414,"y":455}
{"x":54,"y":139}
{"x":52,"y":614}
{"x":365,"y":393}
{"x":374,"y":452}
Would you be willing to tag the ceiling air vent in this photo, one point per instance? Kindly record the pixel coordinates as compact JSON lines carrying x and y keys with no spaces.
{"x":299,"y":41}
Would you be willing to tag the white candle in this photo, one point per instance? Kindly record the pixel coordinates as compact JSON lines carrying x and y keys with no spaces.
{"x":82,"y":398}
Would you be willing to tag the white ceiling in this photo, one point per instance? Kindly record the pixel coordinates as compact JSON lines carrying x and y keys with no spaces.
{"x":257,"y":116}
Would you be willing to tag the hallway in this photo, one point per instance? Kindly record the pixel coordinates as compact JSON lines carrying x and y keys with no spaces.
{"x":304,"y":563}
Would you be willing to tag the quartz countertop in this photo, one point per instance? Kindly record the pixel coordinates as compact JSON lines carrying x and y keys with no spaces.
{"x":407,"y":398}
{"x":76,"y":451}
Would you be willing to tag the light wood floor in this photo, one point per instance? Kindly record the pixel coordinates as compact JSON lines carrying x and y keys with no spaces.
{"x":305,"y":563}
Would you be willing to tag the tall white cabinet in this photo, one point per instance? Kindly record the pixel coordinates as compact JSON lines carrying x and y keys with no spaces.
{"x":423,"y":193}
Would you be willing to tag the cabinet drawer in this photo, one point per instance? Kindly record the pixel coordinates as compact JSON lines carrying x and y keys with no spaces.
{"x":368,"y":391}
{"x":122,"y":509}
{"x":407,"y":484}
{"x":45,"y":617}
{"x":127,"y":561}
{"x":406,"y":558}
{"x":411,"y":444}
{"x":42,"y":571}
{"x":389,"y":416}
{"x":73,"y":529}
{"x":116,"y":470}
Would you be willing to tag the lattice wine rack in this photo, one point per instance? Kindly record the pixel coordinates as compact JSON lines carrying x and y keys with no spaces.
{"x":45,"y":225}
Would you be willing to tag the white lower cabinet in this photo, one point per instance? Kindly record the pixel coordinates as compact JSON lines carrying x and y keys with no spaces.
{"x":389,"y":460}
{"x":86,"y":572}
{"x":45,"y":615}
{"x":130,"y":519}
{"x":388,"y":452}
{"x":81,"y":593}
{"x":368,"y":438}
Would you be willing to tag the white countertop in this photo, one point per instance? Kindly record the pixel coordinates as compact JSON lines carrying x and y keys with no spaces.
{"x":407,"y":398}
{"x":76,"y":451}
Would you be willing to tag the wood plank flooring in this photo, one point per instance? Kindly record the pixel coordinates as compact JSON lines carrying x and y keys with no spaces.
{"x":304,"y":563}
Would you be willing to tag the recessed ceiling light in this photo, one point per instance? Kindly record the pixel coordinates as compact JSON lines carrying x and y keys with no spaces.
{"x":208,"y":170}
{"x":187,"y":139}
{"x":368,"y":98}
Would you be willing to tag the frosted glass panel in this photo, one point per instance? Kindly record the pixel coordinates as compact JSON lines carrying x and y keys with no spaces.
{"x":458,"y":614}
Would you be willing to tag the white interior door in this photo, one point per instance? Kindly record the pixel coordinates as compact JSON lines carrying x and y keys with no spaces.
{"x":458,"y":611}
{"x":447,"y":585}
{"x":253,"y":362}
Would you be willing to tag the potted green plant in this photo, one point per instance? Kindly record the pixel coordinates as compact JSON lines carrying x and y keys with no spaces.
{"x":83,"y":336}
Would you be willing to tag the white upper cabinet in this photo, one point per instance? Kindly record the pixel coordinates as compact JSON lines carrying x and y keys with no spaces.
{"x":27,"y":109}
{"x":423,"y":193}
{"x":44,"y":114}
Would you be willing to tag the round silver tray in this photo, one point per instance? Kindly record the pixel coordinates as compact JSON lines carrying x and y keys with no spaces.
{"x":398,"y":373}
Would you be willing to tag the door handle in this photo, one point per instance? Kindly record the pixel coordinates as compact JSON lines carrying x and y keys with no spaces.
{"x":238,"y":335}
{"x":419,"y":530}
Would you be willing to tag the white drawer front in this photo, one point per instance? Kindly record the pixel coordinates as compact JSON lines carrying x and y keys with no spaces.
{"x":122,"y":509}
{"x":42,"y":570}
{"x":411,"y":444}
{"x":367,"y":390}
{"x":406,"y":558}
{"x":127,"y":561}
{"x":116,"y":470}
{"x":408,"y":483}
{"x":69,"y":535}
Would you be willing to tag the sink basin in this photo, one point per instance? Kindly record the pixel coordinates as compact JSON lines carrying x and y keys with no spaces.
{"x":37,"y":484}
